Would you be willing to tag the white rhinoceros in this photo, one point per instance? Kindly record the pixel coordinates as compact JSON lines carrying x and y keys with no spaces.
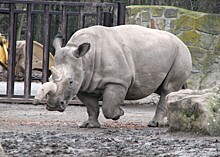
{"x":113,"y":64}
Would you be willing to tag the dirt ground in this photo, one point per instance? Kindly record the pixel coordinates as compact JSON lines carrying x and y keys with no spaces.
{"x":32,"y":131}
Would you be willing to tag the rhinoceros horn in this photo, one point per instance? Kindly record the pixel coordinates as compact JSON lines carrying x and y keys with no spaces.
{"x":55,"y":74}
{"x":46,"y":88}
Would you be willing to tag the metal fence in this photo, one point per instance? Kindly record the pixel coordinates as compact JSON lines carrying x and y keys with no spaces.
{"x":108,"y":14}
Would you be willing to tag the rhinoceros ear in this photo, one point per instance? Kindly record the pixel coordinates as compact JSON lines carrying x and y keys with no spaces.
{"x":58,"y":41}
{"x":82,"y":50}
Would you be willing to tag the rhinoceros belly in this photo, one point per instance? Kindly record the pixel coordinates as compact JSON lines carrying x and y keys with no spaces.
{"x":144,"y":85}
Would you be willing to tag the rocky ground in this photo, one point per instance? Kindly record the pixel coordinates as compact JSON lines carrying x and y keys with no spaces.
{"x":31,"y":131}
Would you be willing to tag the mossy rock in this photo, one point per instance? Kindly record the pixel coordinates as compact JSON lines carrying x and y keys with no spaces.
{"x":157,"y":12}
{"x":173,"y":29}
{"x":195,"y":80}
{"x":161,"y":23}
{"x":186,"y":22}
{"x":197,"y":52}
{"x":210,"y":79}
{"x":210,"y":63}
{"x":190,"y":38}
{"x":192,"y":14}
{"x":135,"y":9}
{"x":131,"y":20}
{"x":195,"y":111}
{"x":209,"y":24}
{"x":171,"y":13}
{"x":217,"y":47}
{"x":145,"y":15}
{"x":207,"y":41}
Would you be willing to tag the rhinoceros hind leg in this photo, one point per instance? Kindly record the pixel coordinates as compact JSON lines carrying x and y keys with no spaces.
{"x":160,"y":114}
{"x":174,"y":81}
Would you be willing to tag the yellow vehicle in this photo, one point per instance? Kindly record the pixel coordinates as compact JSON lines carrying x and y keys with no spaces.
{"x":3,"y":51}
{"x":37,"y":62}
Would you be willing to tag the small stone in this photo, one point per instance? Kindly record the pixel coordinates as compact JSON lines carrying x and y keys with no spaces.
{"x":157,"y":12}
{"x":145,"y":16}
{"x":161,"y":23}
{"x":207,"y":41}
{"x":170,"y":13}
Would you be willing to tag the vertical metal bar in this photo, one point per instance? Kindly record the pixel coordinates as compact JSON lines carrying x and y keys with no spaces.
{"x":81,"y":23}
{"x":114,"y":13}
{"x":99,"y":14}
{"x":84,"y":21}
{"x":46,"y":44}
{"x":12,"y":51}
{"x":107,"y":21}
{"x":28,"y":53}
{"x":64,"y":24}
{"x":121,"y":13}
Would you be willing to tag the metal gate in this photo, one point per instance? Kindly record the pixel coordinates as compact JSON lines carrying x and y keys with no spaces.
{"x":108,"y":14}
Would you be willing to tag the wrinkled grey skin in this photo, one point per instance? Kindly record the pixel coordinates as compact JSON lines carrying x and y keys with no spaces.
{"x":113,"y":64}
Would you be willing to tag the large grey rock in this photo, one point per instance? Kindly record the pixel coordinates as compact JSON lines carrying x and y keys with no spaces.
{"x":195,"y":110}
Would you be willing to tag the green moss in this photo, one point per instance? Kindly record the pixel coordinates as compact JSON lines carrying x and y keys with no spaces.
{"x":217,"y":47}
{"x":157,"y":12}
{"x":192,"y":114}
{"x":208,"y":62}
{"x":186,"y":22}
{"x":145,"y":16}
{"x":209,"y":24}
{"x":212,"y":106}
{"x":193,"y":14}
{"x":173,"y":24}
{"x":190,"y":38}
{"x":135,"y":9}
{"x":197,"y":52}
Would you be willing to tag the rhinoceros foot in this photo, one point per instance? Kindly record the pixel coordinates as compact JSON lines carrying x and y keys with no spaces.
{"x":157,"y":124}
{"x":90,"y":124}
{"x":153,"y":124}
{"x":121,"y":113}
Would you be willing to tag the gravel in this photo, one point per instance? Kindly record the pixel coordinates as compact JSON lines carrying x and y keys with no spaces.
{"x":108,"y":142}
{"x":31,"y":131}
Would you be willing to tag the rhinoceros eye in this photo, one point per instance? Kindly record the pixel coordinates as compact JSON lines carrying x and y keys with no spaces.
{"x":71,"y":82}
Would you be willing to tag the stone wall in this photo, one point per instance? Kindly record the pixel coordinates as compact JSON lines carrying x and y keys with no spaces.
{"x":199,"y":31}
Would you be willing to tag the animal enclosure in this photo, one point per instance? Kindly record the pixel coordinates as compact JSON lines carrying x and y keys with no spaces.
{"x":62,"y":15}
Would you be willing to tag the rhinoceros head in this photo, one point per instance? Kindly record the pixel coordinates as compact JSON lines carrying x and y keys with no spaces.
{"x":66,"y":78}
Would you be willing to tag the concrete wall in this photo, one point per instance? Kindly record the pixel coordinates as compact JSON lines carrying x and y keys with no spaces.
{"x":199,"y":31}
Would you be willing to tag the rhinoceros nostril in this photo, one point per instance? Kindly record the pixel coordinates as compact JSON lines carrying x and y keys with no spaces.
{"x":63,"y":104}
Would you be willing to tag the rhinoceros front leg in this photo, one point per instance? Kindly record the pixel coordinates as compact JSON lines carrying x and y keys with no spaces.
{"x":113,"y":96}
{"x":92,"y":106}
